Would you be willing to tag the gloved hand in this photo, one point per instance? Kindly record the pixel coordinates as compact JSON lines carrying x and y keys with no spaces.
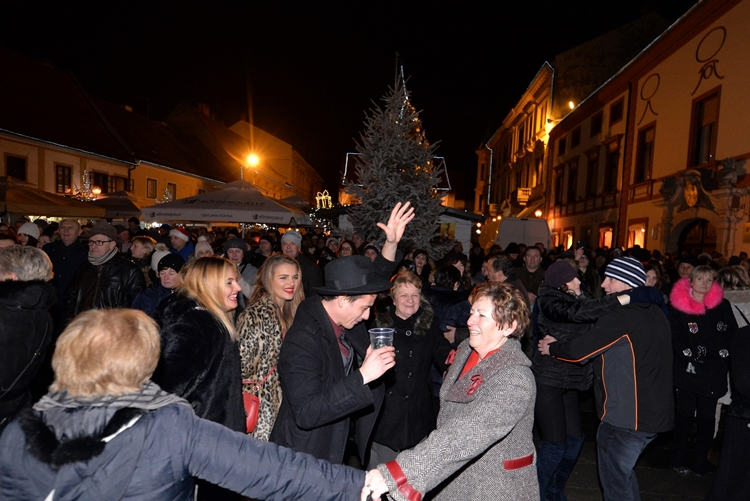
{"x":647,"y":295}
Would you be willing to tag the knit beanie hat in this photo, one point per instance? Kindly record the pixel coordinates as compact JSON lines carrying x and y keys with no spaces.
{"x":173,"y":261}
{"x":156,"y":257}
{"x":627,"y":270}
{"x":29,"y":229}
{"x":180,"y":233}
{"x":267,"y":238}
{"x":292,"y":236}
{"x":234,"y":243}
{"x":371,"y":246}
{"x":203,"y":246}
{"x":558,"y":274}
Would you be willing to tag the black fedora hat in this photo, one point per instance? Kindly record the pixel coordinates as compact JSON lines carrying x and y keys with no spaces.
{"x":350,"y":276}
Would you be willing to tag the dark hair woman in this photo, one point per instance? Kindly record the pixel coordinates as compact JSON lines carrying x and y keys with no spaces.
{"x":565,"y":310}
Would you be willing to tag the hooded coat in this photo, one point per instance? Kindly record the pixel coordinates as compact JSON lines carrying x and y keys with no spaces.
{"x":701,"y":333}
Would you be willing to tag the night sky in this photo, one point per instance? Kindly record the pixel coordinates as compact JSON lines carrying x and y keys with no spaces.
{"x":313,"y":68}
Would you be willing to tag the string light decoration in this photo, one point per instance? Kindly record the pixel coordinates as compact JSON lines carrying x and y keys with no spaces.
{"x":323,"y":200}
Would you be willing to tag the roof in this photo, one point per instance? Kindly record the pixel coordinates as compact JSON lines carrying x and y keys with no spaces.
{"x":44,"y":104}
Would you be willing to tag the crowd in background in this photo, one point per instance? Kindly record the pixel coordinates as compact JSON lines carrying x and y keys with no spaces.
{"x":224,"y":303}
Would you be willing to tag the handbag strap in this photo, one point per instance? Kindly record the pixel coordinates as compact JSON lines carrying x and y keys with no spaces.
{"x":259,"y":384}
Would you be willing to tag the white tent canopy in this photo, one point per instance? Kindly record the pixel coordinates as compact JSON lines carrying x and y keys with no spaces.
{"x":236,"y":202}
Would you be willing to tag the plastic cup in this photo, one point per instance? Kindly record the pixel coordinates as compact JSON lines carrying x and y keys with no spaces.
{"x":381,"y":336}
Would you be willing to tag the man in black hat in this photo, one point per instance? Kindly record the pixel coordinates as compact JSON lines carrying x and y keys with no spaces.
{"x":329,"y":373}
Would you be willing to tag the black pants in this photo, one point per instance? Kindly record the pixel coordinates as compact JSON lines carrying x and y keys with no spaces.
{"x":693,"y":407}
{"x":558,"y":414}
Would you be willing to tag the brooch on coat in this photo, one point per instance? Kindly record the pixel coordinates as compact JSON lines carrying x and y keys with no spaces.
{"x":721,"y":327}
{"x":476,"y":382}
{"x":450,"y":358}
{"x":693,"y":327}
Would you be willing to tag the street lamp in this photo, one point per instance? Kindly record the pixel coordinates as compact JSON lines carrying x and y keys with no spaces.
{"x":252,"y":161}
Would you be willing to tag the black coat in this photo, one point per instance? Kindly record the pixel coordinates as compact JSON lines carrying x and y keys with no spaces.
{"x":312,"y":276}
{"x":25,"y":335}
{"x":320,"y":401}
{"x":199,"y":362}
{"x":564,"y":316}
{"x":114,"y":284}
{"x":407,"y":415}
{"x":66,"y":259}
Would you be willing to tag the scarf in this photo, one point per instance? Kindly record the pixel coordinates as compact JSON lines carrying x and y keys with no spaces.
{"x":98,"y":261}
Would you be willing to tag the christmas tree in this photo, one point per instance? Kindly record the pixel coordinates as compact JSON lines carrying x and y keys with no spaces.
{"x":396,"y":164}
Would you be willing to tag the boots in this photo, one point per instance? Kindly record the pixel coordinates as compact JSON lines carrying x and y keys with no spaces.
{"x":548,"y":458}
{"x":556,"y":488}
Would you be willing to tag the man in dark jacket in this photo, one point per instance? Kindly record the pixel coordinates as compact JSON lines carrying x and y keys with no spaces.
{"x":106,"y":279}
{"x":67,"y":254}
{"x":631,"y":348}
{"x":329,"y":373}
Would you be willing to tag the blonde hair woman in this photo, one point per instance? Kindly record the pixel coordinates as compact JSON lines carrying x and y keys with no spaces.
{"x":105,"y":431}
{"x":278,"y":292}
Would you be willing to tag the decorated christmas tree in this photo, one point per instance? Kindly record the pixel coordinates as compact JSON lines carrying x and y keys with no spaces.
{"x":396,"y":164}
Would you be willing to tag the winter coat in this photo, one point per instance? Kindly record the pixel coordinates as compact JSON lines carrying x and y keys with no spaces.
{"x":66,"y":259}
{"x":320,"y":399}
{"x":311,"y":274}
{"x":564,"y":316}
{"x":114,"y":284}
{"x":25,"y":336}
{"x":631,"y":348}
{"x":260,"y":334}
{"x":701,"y":333}
{"x":186,"y":252}
{"x":148,"y":300}
{"x":199,"y":361}
{"x":407,"y":415}
{"x":486,"y":419}
{"x":451,"y":307}
{"x":156,"y":459}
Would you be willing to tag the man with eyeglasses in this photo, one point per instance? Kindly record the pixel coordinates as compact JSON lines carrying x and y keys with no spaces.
{"x":106,"y":279}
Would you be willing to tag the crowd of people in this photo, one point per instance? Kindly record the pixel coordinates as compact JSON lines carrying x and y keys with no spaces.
{"x":138,"y":363}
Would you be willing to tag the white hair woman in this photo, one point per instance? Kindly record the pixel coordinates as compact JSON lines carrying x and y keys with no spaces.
{"x":105,"y":431}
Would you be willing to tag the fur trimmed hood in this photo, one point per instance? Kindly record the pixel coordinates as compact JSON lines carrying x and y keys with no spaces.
{"x":682,"y":299}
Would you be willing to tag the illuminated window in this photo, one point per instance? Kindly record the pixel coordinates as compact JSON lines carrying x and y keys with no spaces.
{"x":605,"y":236}
{"x":637,"y":233}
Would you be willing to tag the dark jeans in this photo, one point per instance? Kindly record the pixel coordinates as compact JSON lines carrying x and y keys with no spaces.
{"x":693,"y":407}
{"x":618,"y":450}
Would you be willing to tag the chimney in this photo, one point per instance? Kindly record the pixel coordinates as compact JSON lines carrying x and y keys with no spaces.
{"x":205,"y":109}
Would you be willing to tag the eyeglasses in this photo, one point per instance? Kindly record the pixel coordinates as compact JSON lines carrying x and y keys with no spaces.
{"x":99,"y":243}
{"x":346,"y":248}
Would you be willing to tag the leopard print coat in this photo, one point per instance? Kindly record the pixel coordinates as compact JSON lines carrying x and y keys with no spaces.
{"x":260,"y":341}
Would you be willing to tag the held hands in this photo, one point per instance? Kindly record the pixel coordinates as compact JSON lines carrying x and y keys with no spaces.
{"x":544,"y":344}
{"x":377,"y":362}
{"x":375,"y":486}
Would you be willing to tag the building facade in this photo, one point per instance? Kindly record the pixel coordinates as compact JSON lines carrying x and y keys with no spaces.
{"x":662,"y":157}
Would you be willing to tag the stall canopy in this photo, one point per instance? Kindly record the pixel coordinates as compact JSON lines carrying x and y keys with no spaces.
{"x":236,"y":202}
{"x":20,"y":197}
{"x":120,"y":205}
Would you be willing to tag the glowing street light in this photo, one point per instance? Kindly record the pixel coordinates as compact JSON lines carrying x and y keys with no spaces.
{"x":253,"y":160}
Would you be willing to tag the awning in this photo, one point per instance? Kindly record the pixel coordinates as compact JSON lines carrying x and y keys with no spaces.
{"x":529,"y":210}
{"x":20,"y":197}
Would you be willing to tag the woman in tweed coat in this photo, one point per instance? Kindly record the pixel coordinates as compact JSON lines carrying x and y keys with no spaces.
{"x":483,"y":440}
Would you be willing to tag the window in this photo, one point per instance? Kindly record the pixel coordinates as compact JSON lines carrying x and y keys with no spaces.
{"x":62,"y":179}
{"x":521,"y":136}
{"x":645,"y":156}
{"x":542,"y":118}
{"x":150,"y":188}
{"x":596,"y":123}
{"x":612,"y":160}
{"x":615,"y":112}
{"x":172,"y":189}
{"x":572,"y":181}
{"x":575,"y":138}
{"x":100,"y":181}
{"x":704,"y":128}
{"x":592,"y":172}
{"x":15,"y":167}
{"x":538,"y":173}
{"x":637,"y":232}
{"x":561,"y":146}
{"x":117,"y":183}
{"x":606,"y":232}
{"x":558,"y":186}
